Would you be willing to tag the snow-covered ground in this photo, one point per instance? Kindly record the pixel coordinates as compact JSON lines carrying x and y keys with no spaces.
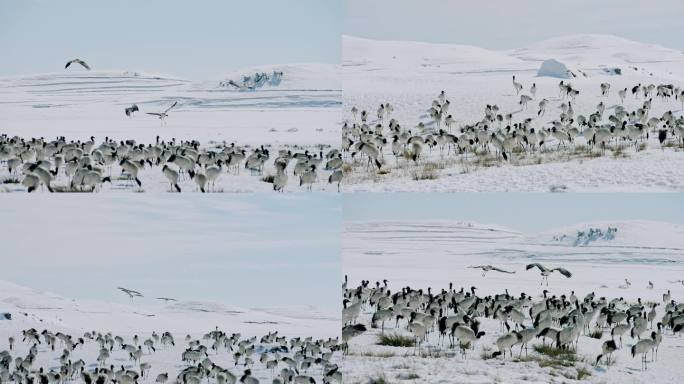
{"x":30,"y":308}
{"x":433,"y":254}
{"x":299,"y":112}
{"x":410,"y":75}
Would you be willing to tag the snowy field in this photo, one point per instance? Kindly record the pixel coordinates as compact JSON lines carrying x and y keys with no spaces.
{"x":82,"y":332}
{"x":293,"y":109}
{"x":409,"y":76}
{"x":614,"y":260}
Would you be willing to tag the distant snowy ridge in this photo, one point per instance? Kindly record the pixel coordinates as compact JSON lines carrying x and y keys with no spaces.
{"x":638,"y":233}
{"x":292,"y":76}
{"x":446,"y":227}
{"x":96,"y":74}
{"x":595,"y":48}
{"x":581,"y":52}
{"x":588,"y":236}
{"x":383,"y":54}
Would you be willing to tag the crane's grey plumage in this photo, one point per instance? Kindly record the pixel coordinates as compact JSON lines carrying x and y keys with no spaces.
{"x":163,"y":115}
{"x":546,"y":272}
{"x":351,"y":331}
{"x":543,"y":269}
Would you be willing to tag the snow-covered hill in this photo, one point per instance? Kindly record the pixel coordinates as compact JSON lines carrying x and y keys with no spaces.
{"x":35,"y":308}
{"x":590,"y":51}
{"x":417,"y":57}
{"x":635,"y":233}
{"x":80,"y":104}
{"x":303,"y":76}
{"x":410,"y":75}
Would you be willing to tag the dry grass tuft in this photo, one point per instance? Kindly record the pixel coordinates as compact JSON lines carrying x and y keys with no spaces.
{"x":396,"y":340}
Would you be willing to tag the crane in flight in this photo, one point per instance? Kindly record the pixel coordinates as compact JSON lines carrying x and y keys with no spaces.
{"x":487,"y":268}
{"x":163,"y":115}
{"x":546,"y":272}
{"x":130,"y":292}
{"x":77,"y":61}
{"x":133,"y":108}
{"x":166,"y":299}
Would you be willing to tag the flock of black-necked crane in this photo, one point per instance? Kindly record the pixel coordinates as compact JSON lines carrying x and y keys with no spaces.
{"x":75,"y":165}
{"x":456,"y":319}
{"x":384,"y":141}
{"x":49,"y":357}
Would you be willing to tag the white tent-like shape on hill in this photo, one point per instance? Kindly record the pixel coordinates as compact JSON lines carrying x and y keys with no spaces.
{"x":554,"y":68}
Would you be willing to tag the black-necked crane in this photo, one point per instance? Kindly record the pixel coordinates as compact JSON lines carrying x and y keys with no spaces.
{"x":517,"y":86}
{"x":132,"y":168}
{"x":605,"y":89}
{"x":130,"y":292}
{"x":349,"y":332}
{"x":172,"y":176}
{"x":607,"y":349}
{"x":487,"y":268}
{"x":419,"y":330}
{"x":370,"y":151}
{"x":166,"y":299}
{"x":280,"y":181}
{"x":546,"y":272}
{"x":308,"y":177}
{"x":466,"y":336}
{"x":162,"y":115}
{"x":77,"y":61}
{"x":336,"y":177}
{"x":506,"y":342}
{"x":129,"y":110}
{"x":642,"y":347}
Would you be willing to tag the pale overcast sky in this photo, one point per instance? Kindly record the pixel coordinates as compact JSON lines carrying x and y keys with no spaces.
{"x":525,"y":212}
{"x":253,"y":250}
{"x":505,"y":24}
{"x":192,"y":39}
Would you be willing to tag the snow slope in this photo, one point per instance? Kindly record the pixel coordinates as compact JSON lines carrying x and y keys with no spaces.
{"x":591,"y":51}
{"x":300,"y":113}
{"x":296,"y":77}
{"x":424,"y":254}
{"x":410,"y":75}
{"x":79,"y":104}
{"x":30,"y":306}
{"x":419,"y":57}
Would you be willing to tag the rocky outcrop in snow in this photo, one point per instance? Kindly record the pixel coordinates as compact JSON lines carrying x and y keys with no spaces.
{"x":554,"y":68}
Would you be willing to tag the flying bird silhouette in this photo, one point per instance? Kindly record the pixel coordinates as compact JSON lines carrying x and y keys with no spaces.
{"x":131,"y":293}
{"x":77,"y":61}
{"x":131,"y":109}
{"x":166,"y":299}
{"x":487,"y":268}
